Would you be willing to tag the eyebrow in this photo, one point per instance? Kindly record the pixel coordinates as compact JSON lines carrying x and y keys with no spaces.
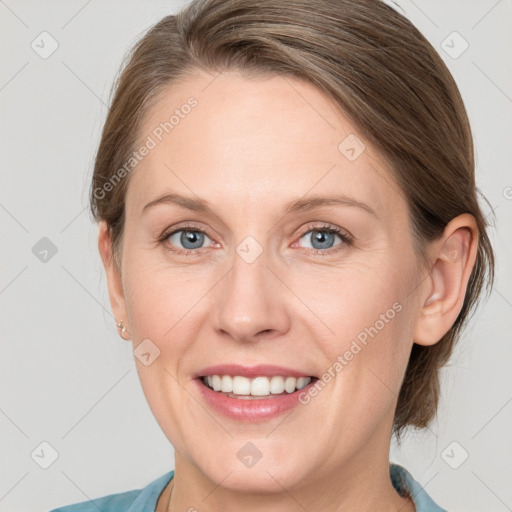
{"x":302,"y":204}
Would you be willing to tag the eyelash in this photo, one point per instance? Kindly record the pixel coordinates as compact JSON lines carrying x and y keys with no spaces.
{"x":346,"y":239}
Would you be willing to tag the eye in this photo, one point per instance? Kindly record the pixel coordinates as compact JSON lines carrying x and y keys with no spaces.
{"x":322,"y":238}
{"x":187,"y":240}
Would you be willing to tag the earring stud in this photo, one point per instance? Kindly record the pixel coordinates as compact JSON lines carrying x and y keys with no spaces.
{"x":122,"y":327}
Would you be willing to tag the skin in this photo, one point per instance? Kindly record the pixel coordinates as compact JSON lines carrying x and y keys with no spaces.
{"x":250,"y":146}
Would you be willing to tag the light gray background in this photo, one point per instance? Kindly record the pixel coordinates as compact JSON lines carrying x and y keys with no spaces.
{"x":66,"y":376}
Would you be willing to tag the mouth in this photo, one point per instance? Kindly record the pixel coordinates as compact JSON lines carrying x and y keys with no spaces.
{"x":252,"y":394}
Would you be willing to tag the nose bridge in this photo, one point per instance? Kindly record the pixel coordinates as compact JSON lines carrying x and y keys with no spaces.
{"x":249,"y":301}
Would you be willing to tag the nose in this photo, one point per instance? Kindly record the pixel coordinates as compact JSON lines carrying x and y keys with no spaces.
{"x":250,"y":302}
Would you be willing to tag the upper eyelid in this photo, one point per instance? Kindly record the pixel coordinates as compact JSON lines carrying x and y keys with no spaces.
{"x":308,"y":227}
{"x":325,"y":227}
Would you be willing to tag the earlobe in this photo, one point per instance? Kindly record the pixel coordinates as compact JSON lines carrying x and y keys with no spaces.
{"x":454,"y":256}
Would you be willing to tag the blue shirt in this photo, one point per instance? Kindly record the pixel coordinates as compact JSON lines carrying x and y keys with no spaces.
{"x":144,"y":500}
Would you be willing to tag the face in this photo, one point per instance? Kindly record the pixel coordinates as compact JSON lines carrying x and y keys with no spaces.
{"x":229,"y":272}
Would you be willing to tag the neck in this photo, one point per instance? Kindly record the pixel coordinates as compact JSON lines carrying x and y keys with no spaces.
{"x":171,"y":502}
{"x":362,"y":483}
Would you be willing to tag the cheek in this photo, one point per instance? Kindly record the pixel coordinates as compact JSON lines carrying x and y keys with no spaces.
{"x":159,"y":299}
{"x":364,"y":302}
{"x":371,"y":315}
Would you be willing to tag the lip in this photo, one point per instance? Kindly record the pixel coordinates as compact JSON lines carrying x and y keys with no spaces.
{"x":261,"y":370}
{"x":250,"y":410}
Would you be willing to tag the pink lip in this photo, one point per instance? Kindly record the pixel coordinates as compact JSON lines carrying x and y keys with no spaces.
{"x":251,"y":410}
{"x":261,"y":370}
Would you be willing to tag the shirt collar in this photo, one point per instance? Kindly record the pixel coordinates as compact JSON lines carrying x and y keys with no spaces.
{"x":147,"y":499}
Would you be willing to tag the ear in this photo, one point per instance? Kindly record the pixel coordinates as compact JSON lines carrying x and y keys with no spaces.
{"x":113,"y":274}
{"x":453,"y":257}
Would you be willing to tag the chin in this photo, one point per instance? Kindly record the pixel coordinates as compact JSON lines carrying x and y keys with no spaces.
{"x":262,"y":480}
{"x":250,"y":466}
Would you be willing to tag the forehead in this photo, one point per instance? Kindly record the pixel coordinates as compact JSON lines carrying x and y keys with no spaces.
{"x":255,"y":141}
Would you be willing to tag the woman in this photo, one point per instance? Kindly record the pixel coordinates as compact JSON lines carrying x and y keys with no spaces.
{"x":292,"y":241}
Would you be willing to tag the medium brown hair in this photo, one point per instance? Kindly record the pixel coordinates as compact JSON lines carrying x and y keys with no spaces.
{"x":377,"y":67}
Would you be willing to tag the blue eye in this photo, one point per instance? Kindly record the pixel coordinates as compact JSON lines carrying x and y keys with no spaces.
{"x":322,"y":238}
{"x":189,"y":239}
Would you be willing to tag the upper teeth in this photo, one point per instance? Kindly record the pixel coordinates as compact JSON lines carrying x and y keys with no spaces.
{"x":259,"y":386}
